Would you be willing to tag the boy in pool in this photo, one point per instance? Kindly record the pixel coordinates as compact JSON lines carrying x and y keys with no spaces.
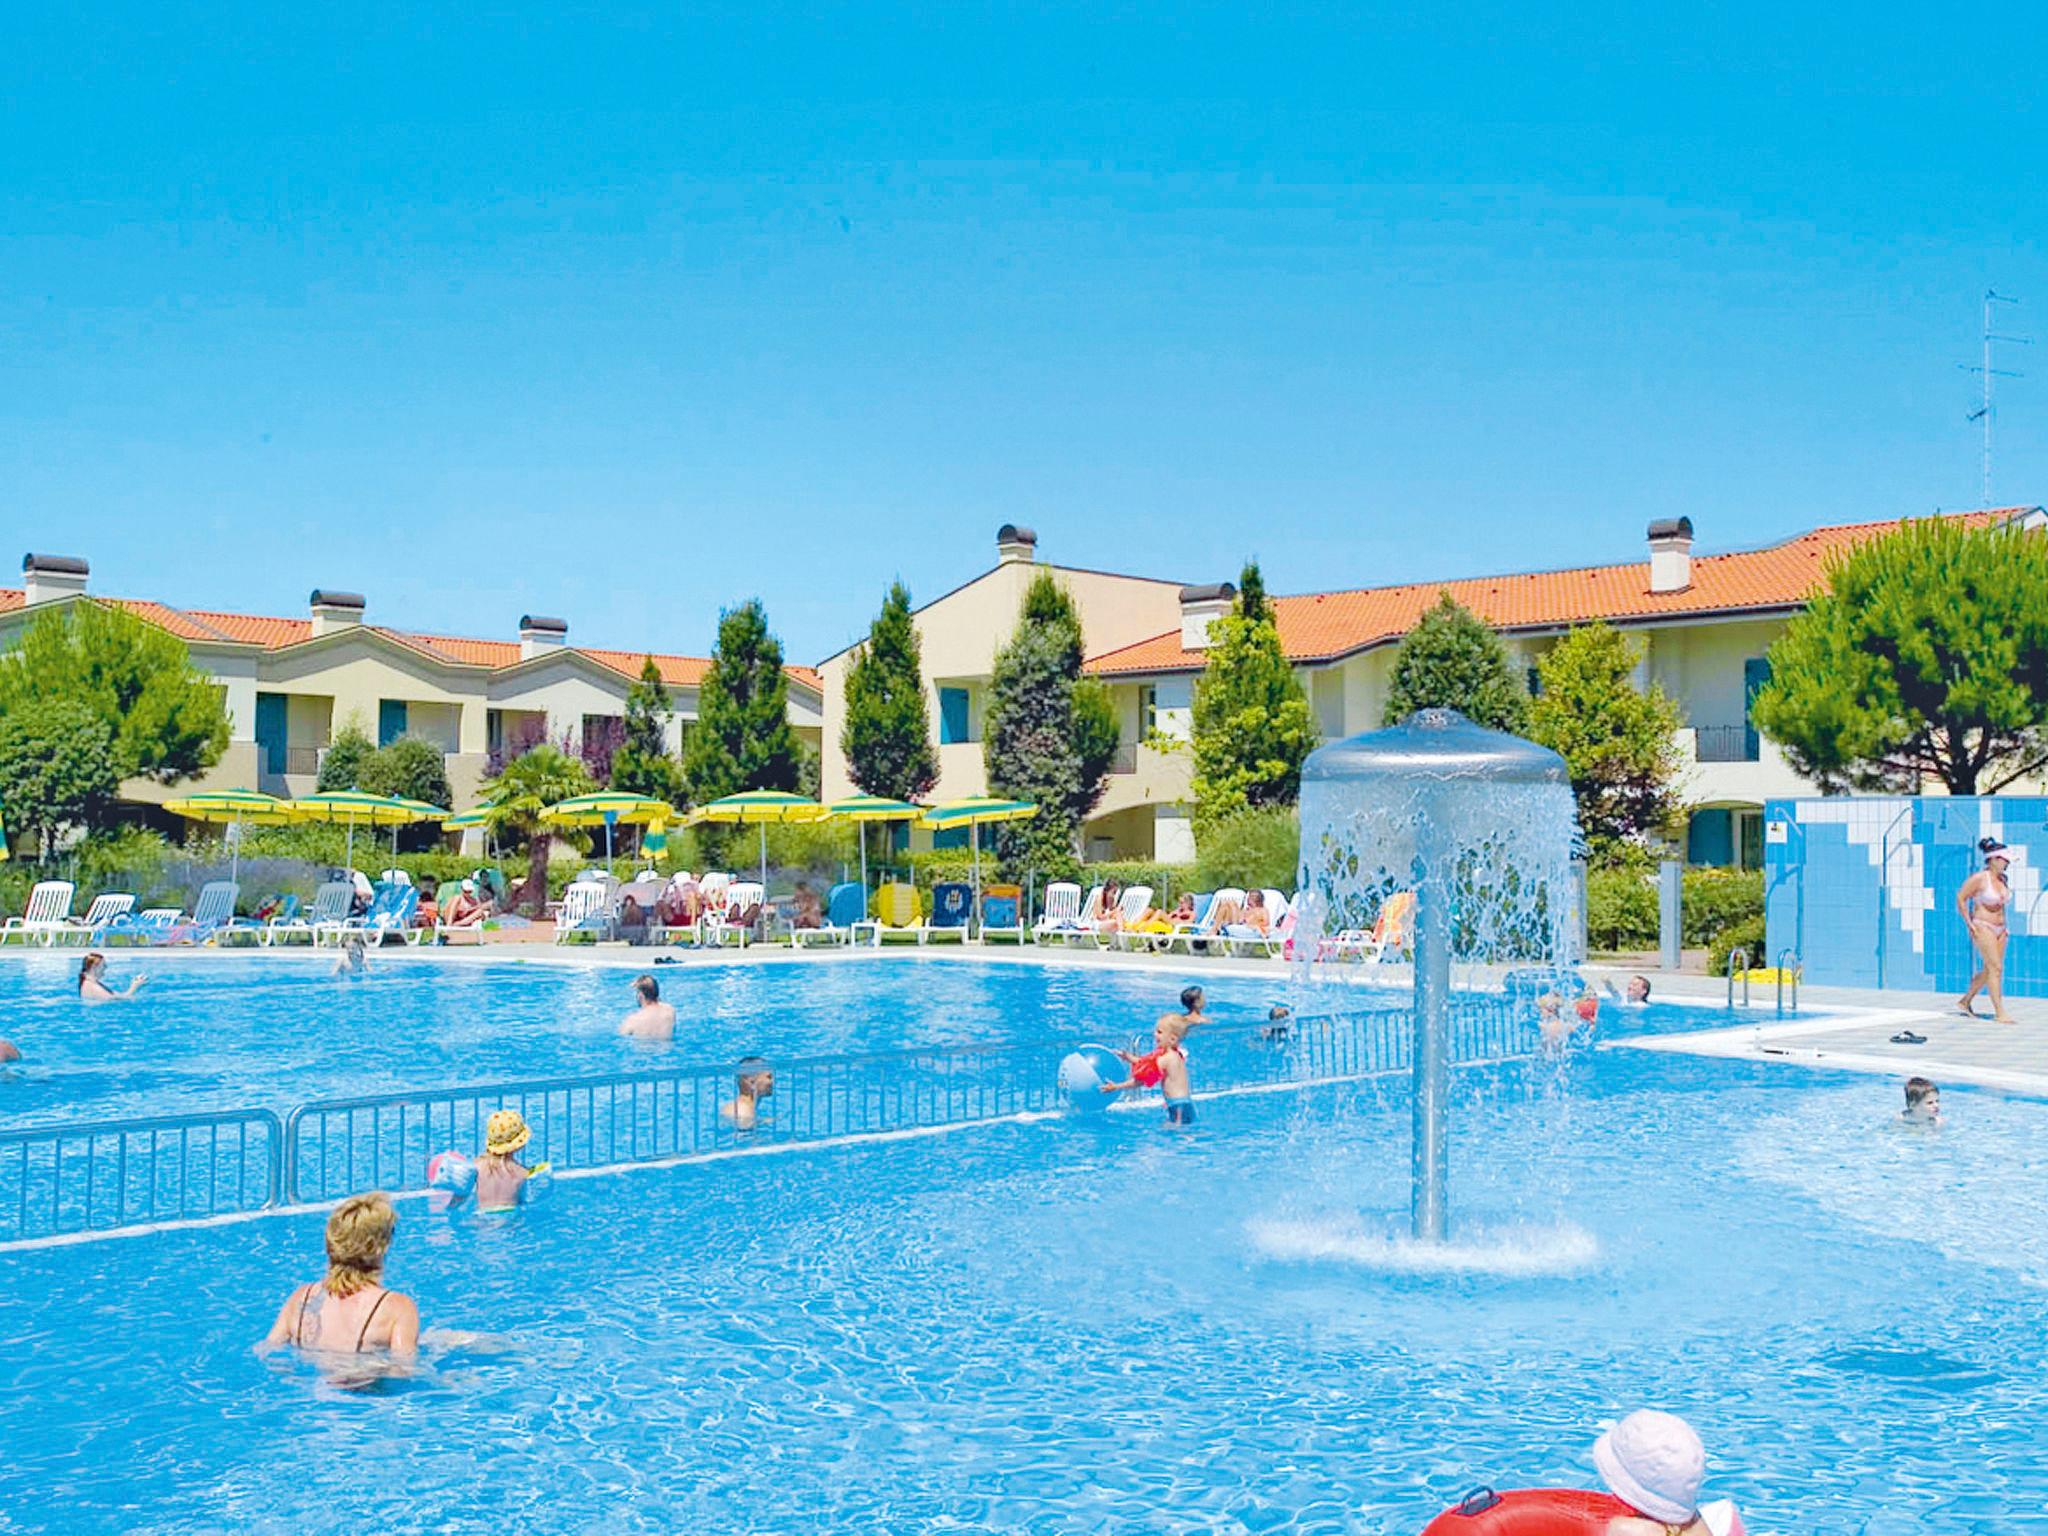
{"x":755,"y":1082}
{"x":1923,"y":1102}
{"x":1279,"y":1023}
{"x":1192,"y":1001}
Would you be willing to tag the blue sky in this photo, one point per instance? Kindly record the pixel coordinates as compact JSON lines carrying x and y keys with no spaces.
{"x":625,"y":316}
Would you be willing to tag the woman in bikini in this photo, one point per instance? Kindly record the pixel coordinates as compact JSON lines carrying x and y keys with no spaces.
{"x":351,"y":1311}
{"x":1982,"y":902}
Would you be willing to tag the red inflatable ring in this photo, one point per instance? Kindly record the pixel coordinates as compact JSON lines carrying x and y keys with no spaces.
{"x":1528,"y":1512}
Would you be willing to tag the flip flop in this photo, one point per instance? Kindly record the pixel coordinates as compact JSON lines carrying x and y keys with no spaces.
{"x":1907,"y":1037}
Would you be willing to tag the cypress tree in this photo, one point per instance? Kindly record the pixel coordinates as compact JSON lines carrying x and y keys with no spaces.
{"x":1050,"y":733}
{"x":887,"y":737}
{"x":742,"y":737}
{"x":1452,"y":659}
{"x":1252,"y":727}
{"x":642,"y":765}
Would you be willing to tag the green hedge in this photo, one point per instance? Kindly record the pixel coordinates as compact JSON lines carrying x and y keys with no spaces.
{"x":1621,"y":906}
{"x":1253,"y":848}
{"x":1747,"y":934}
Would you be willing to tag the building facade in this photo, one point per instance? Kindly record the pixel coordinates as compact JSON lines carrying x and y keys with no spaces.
{"x":292,"y":684}
{"x":1707,"y":622}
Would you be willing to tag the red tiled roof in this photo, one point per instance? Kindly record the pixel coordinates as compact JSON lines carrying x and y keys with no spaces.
{"x":273,"y":634}
{"x":1322,"y":626}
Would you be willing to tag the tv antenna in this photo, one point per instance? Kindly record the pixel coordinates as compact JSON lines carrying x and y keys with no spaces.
{"x":1987,"y":373}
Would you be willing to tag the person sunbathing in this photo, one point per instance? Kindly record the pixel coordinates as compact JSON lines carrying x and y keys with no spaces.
{"x":1253,"y":921}
{"x":467,"y":909}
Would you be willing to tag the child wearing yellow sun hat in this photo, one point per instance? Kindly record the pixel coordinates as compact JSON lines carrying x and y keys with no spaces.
{"x":501,"y":1179}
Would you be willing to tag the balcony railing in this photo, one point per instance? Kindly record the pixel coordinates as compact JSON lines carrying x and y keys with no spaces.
{"x":1725,"y":744}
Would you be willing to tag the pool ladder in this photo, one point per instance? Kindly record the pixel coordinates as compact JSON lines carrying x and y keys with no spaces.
{"x":1787,"y":975}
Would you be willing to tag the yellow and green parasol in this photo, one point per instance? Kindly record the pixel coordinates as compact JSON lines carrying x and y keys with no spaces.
{"x":759,"y":807}
{"x":973,"y":813}
{"x":864,"y":809}
{"x":352,"y":808}
{"x":233,"y":807}
{"x":609,"y":808}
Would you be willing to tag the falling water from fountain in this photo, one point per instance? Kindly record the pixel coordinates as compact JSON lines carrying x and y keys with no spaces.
{"x":1478,"y":825}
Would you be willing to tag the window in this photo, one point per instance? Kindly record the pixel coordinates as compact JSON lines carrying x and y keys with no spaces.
{"x":1535,"y":682}
{"x":390,"y":721}
{"x":953,"y":716}
{"x":1148,"y":710}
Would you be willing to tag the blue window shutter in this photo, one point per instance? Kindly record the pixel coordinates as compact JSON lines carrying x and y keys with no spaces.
{"x":271,"y":729}
{"x":952,"y":715}
{"x":1710,"y":838}
{"x":1755,"y":673}
{"x":390,"y":721}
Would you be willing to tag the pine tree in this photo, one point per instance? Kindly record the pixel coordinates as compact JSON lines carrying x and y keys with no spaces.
{"x":887,"y":737}
{"x":1453,"y":660}
{"x":1252,"y":727}
{"x":642,"y":764}
{"x":1925,"y":658}
{"x":742,"y":737}
{"x":1616,"y":739}
{"x":1050,"y":734}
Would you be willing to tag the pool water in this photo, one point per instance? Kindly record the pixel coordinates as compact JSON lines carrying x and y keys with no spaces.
{"x":1062,"y":1325}
{"x":247,"y":1031}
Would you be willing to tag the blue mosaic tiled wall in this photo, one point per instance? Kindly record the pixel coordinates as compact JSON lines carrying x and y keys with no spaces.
{"x":1863,"y":888}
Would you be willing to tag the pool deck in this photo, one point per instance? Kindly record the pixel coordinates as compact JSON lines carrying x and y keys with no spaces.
{"x":1856,"y":1036}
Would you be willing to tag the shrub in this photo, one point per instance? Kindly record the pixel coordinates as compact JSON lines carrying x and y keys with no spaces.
{"x":1717,"y":899}
{"x":1255,"y":848}
{"x":1621,"y":910}
{"x":1747,"y":934}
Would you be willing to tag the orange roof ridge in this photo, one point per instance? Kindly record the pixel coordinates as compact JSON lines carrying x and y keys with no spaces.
{"x":1322,"y":626}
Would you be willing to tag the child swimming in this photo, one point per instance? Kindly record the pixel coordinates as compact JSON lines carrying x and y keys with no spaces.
{"x":1923,"y":1102}
{"x":501,"y":1177}
{"x":1165,"y":1065}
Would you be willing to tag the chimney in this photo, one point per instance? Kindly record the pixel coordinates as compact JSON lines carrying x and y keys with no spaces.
{"x":335,"y":611}
{"x":1671,"y":554}
{"x":1014,"y":544}
{"x":539,"y":634}
{"x":1199,"y":608}
{"x":45,"y":578}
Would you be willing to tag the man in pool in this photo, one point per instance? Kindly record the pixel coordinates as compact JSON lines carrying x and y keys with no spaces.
{"x":652,"y":1019}
{"x":9,"y":1051}
{"x":1634,"y":995}
{"x":1923,"y":1102}
{"x":1192,"y":1001}
{"x":755,"y":1082}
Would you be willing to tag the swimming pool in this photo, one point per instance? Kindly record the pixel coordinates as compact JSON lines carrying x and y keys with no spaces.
{"x":236,"y":1031}
{"x":1059,"y":1325}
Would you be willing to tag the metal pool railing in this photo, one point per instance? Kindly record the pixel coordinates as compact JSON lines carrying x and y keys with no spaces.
{"x":94,"y":1176}
{"x":384,"y":1141}
{"x":98,"y":1176}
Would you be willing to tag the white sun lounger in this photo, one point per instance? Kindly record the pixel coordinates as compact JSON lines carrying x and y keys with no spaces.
{"x":1062,"y":911}
{"x":48,"y":913}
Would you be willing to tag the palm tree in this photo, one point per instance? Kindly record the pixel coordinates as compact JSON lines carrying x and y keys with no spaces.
{"x":525,"y":787}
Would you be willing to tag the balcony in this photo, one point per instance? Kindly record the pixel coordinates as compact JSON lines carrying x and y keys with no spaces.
{"x":1725,"y":744}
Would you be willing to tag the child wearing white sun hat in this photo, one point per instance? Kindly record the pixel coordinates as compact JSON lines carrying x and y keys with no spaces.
{"x":1654,"y":1463}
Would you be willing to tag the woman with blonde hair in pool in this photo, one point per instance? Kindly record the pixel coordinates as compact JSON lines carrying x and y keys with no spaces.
{"x":1982,"y":902}
{"x":352,"y":1311}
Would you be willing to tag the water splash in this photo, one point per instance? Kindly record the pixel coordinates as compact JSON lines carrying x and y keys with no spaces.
{"x":1516,"y":1252}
